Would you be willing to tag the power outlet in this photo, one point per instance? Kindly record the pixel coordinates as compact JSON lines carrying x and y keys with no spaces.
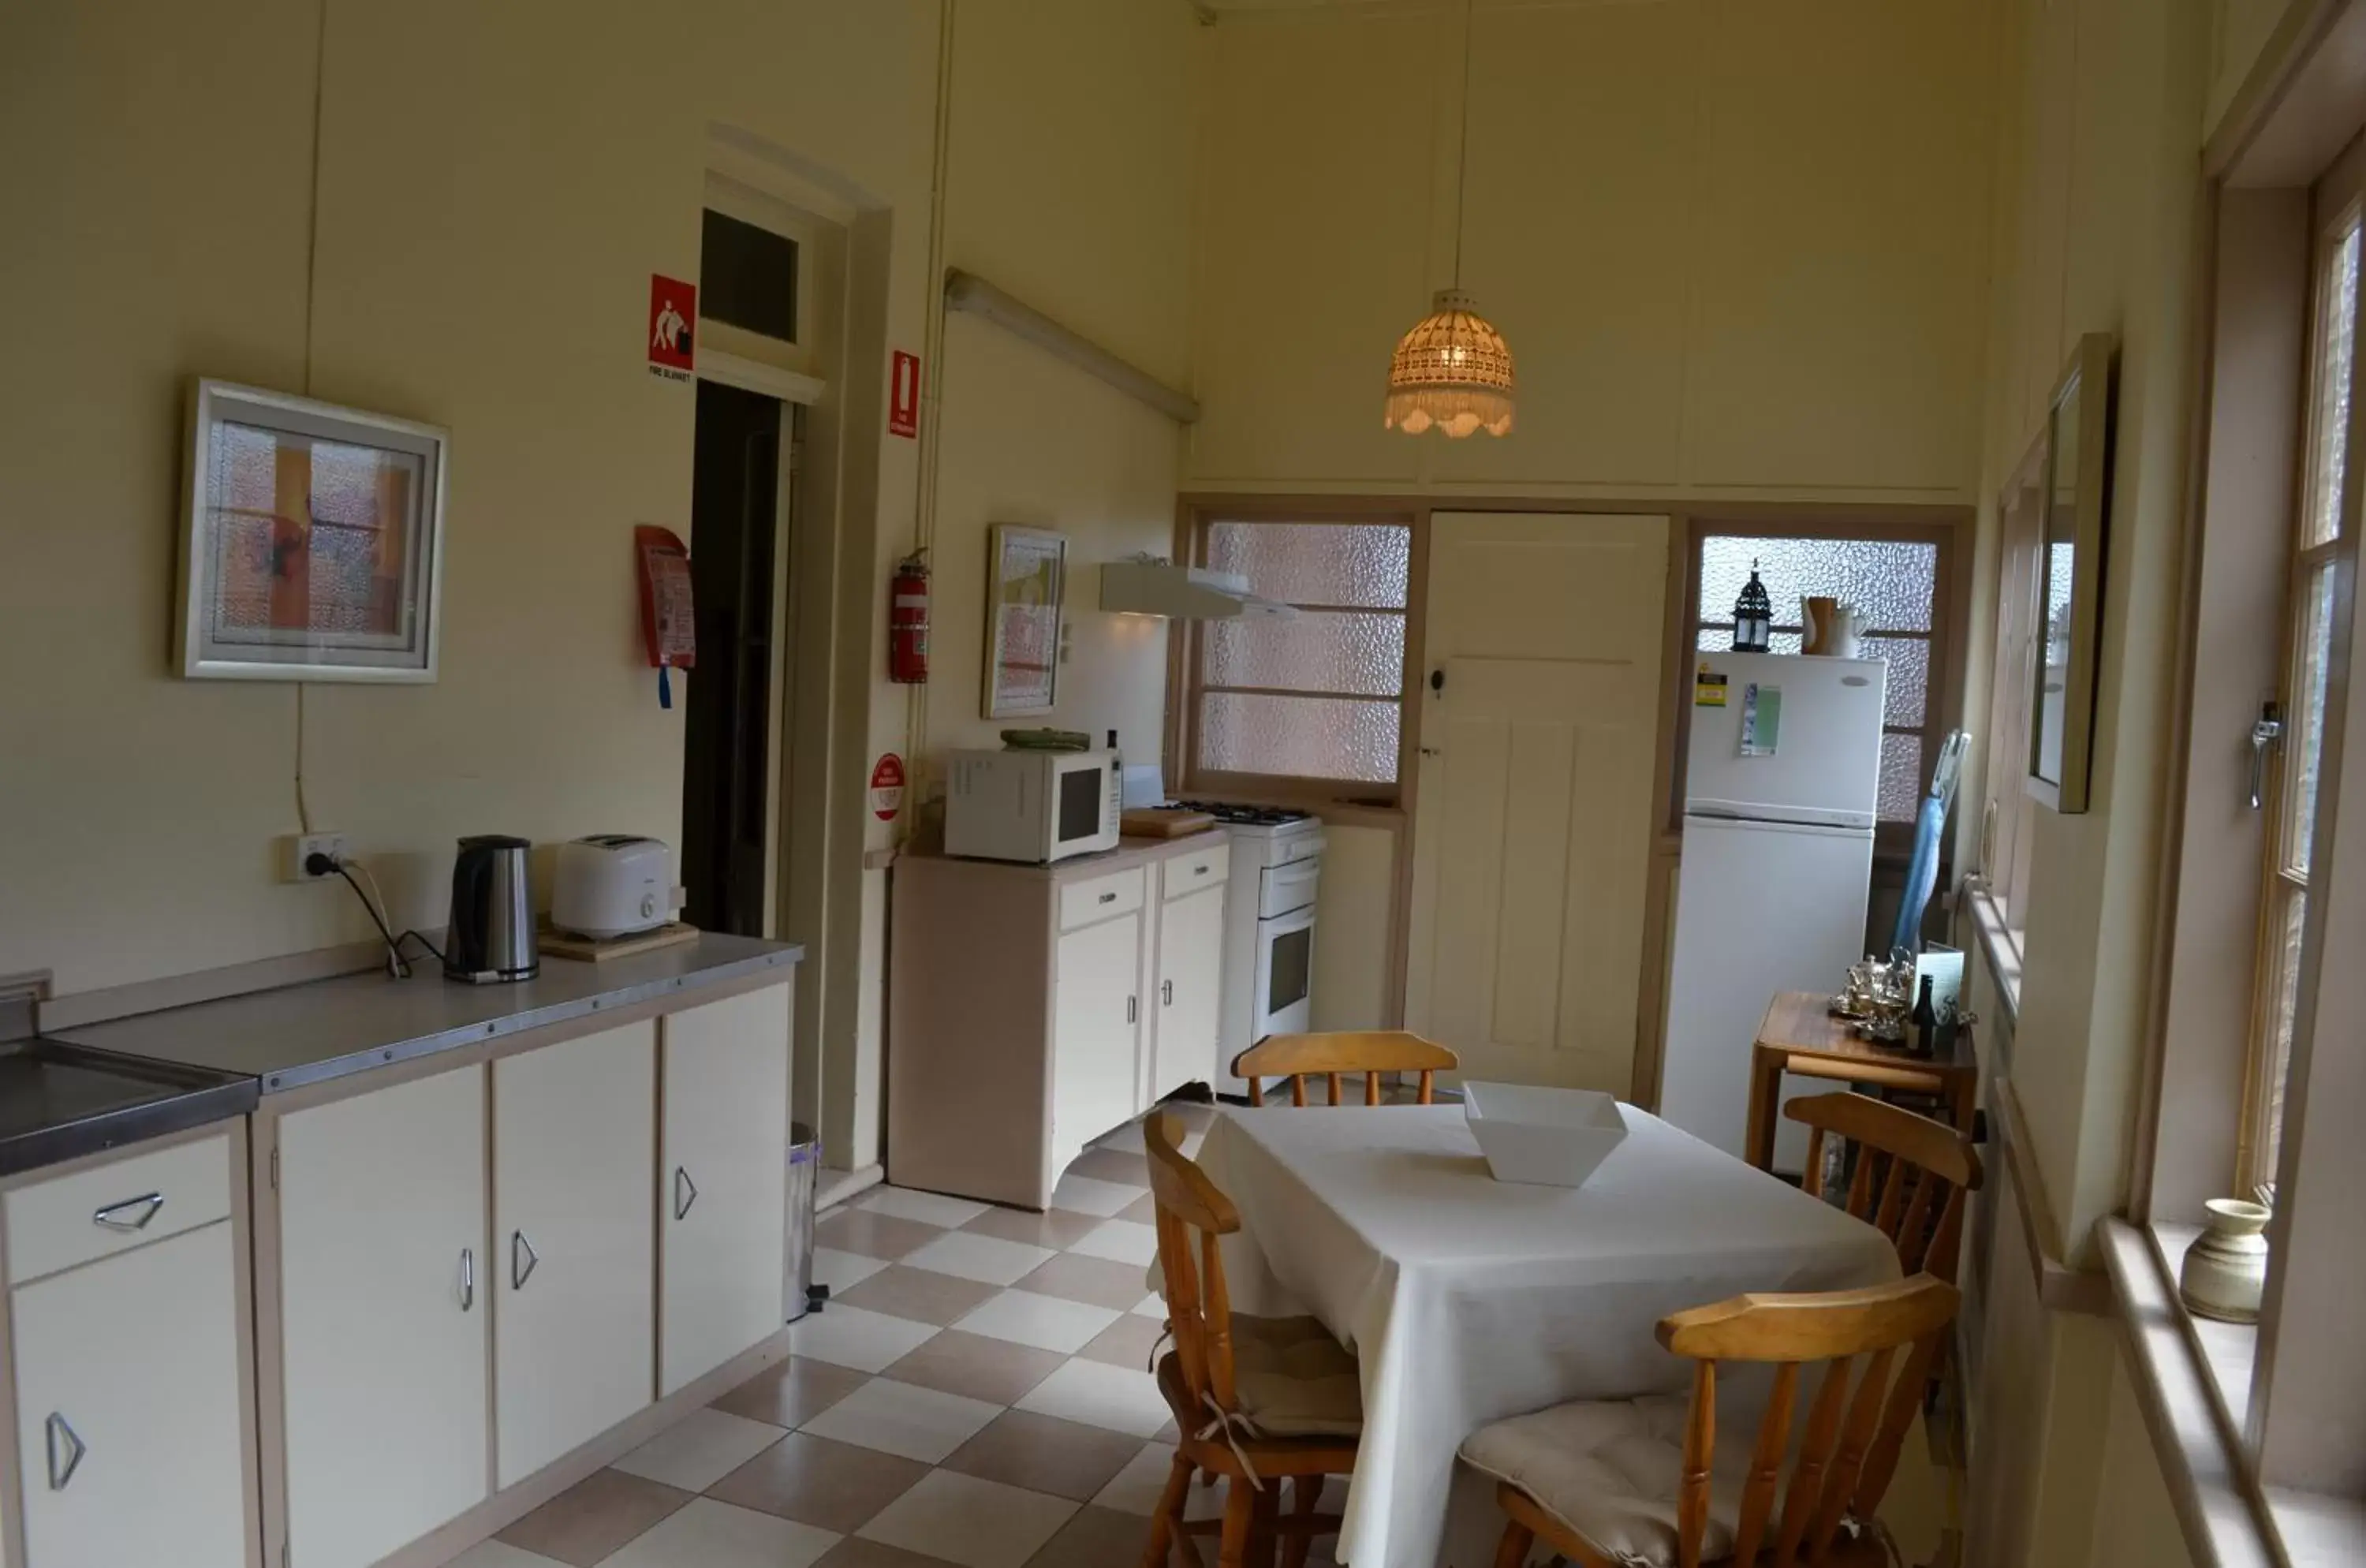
{"x":294,"y":849}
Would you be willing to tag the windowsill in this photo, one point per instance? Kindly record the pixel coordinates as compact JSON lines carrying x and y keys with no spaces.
{"x":2226,"y":1350}
{"x":2000,"y":946}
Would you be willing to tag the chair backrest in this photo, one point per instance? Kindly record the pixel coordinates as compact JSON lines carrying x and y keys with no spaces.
{"x":1911,"y":1175}
{"x":1371,"y":1052}
{"x":1848,"y":1449}
{"x":1192,"y":1208}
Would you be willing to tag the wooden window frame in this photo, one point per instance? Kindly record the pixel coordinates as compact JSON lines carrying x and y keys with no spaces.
{"x":1186,"y":687}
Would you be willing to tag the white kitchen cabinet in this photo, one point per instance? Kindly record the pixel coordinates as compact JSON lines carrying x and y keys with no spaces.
{"x":128,"y":1408}
{"x":574,"y":1243}
{"x":721,"y":1185}
{"x":385,"y":1288}
{"x":1096,"y":1034}
{"x":1191,"y":976}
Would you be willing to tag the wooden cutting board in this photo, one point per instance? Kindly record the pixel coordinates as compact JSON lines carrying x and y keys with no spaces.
{"x":1161,"y":822}
{"x":567,"y":944}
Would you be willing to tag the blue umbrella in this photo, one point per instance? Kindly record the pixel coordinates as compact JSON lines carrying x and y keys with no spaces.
{"x":1922,"y":875}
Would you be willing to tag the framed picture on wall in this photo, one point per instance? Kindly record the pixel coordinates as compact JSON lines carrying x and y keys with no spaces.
{"x":312,"y":548}
{"x":2069,"y":610}
{"x":1026,"y":581}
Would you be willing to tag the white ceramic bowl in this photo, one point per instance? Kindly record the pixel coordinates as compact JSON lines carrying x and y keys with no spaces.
{"x":1552,"y":1138}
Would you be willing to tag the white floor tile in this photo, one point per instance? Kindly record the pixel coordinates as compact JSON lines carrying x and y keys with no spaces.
{"x":1136,"y":1488}
{"x":979,"y":1523}
{"x":924,"y":1424}
{"x":1122,"y":1241}
{"x":1100,"y":1395}
{"x":849,"y":1336}
{"x":699,"y":1450}
{"x":1083,"y":1195}
{"x":843,"y":1270}
{"x":1150,"y":1306}
{"x":501,"y":1555}
{"x":985,"y":1258}
{"x":1048,"y":1323}
{"x":928,"y":1208}
{"x":708,"y":1534}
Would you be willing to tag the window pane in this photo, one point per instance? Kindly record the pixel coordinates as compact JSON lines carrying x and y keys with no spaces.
{"x":1892,"y":582}
{"x":2307,"y":732}
{"x":1720,"y":640}
{"x":1899,"y":797}
{"x":1319,"y":652}
{"x":1908,"y":689}
{"x":1317,"y":563}
{"x":748,"y":277}
{"x":1316,"y":738}
{"x":2337,"y":317}
{"x":2280,"y":1031}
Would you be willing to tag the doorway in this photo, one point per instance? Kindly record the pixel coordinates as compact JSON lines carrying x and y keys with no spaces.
{"x":741,"y":490}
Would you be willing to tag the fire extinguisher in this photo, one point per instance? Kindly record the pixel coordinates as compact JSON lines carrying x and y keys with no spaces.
{"x":907,"y":622}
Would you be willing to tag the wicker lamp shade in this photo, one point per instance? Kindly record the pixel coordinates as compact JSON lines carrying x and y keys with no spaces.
{"x":1452,"y":371}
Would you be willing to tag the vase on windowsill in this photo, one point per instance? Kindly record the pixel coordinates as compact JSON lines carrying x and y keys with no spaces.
{"x":2226,"y":1268}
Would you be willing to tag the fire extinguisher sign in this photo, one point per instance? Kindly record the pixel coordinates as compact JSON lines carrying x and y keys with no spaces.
{"x":888,"y":786}
{"x":904,"y":395}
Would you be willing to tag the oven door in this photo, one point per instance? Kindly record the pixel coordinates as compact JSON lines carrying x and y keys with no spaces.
{"x":1285,"y":968}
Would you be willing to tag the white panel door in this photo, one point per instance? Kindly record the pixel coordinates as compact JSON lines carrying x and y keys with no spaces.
{"x":128,"y":1410}
{"x":384,"y":1296}
{"x":1190,"y":990}
{"x":1095,"y":1035}
{"x":574,"y":1243}
{"x":1532,"y":831}
{"x":722,"y":1182}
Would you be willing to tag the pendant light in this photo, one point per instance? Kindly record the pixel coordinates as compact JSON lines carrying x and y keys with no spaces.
{"x":1453,"y":370}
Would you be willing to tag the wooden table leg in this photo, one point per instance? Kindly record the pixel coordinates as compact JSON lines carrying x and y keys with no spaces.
{"x":1965,"y":1090}
{"x":1765,"y":1100}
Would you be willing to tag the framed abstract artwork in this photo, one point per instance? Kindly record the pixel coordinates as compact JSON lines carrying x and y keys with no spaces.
{"x":1026,"y":581}
{"x":312,"y":547}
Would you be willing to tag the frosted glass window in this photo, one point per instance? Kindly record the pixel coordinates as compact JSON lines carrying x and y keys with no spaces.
{"x":1894,"y":581}
{"x":1313,"y":738}
{"x":1317,"y":563}
{"x":1319,"y":652}
{"x":1900,"y":797}
{"x":1907,"y":690}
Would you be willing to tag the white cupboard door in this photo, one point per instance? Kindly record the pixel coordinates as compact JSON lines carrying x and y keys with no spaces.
{"x":384,"y":1297}
{"x":723,"y":1183}
{"x":128,"y":1410}
{"x":574,"y":1243}
{"x":1095,"y":1035}
{"x":1190,"y":979}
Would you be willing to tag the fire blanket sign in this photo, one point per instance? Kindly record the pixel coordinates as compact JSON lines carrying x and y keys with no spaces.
{"x":672,"y":327}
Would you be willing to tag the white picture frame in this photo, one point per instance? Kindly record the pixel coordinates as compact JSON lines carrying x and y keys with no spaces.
{"x":350,"y":589}
{"x":1026,"y":591}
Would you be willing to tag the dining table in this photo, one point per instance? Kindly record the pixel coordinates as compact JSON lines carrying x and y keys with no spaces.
{"x":1467,"y":1300}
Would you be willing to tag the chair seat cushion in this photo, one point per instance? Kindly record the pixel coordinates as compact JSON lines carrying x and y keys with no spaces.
{"x":1290,"y":1379}
{"x":1609,"y":1469}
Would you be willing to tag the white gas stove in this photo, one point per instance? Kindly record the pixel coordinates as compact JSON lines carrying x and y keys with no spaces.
{"x":1268,"y":927}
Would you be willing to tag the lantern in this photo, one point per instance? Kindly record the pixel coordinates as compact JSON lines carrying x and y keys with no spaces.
{"x":1753,"y":616}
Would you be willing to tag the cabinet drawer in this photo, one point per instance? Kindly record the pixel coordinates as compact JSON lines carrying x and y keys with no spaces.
{"x":1200,"y":868}
{"x":1082,"y":903}
{"x":72,"y":1219}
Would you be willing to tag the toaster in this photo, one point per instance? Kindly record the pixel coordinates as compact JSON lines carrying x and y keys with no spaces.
{"x":612,"y":884}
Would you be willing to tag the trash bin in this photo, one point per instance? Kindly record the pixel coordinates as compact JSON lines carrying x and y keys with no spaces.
{"x":801,"y":1294}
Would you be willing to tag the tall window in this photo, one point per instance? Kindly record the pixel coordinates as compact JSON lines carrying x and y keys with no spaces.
{"x":1896,"y":581}
{"x":2323,"y":544}
{"x":1313,"y":704}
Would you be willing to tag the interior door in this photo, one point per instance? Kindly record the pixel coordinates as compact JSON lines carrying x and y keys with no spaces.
{"x":1540,"y":729}
{"x":723,"y":1183}
{"x":128,"y":1409}
{"x":574,"y":1243}
{"x":1096,"y":1034}
{"x":383,"y":1300}
{"x":1190,"y":980}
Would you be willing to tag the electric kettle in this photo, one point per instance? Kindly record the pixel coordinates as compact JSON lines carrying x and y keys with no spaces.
{"x":491,"y":934}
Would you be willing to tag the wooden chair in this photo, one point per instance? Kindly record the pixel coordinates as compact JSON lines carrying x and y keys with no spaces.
{"x":1369,"y":1052}
{"x":1567,"y":1474}
{"x":1921,"y":1170}
{"x":1257,"y":1400}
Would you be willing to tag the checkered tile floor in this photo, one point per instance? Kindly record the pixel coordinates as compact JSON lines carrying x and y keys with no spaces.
{"x":974,"y":1397}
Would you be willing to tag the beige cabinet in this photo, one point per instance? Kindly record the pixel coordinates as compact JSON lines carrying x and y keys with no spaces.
{"x":1190,"y":977}
{"x":128,"y":1408}
{"x":384,"y":1291}
{"x":574,"y":1243}
{"x":1096,"y":1036}
{"x":722,"y":1181}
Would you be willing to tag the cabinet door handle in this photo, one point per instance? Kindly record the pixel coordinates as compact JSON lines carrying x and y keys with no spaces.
{"x":467,"y":1277}
{"x":1201,"y":870}
{"x":1108,"y":898}
{"x":523,"y":1258}
{"x":65,"y":1451}
{"x":1130,"y":1008}
{"x":131,"y":1215}
{"x":686,"y":1192}
{"x":1166,"y":992}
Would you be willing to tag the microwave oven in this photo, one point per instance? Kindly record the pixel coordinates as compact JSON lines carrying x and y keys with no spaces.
{"x":1036,"y":806}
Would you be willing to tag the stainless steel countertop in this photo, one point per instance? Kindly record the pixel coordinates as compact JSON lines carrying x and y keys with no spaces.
{"x":297,"y":1036}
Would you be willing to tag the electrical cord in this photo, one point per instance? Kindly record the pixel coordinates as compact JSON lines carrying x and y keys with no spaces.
{"x":322,"y":865}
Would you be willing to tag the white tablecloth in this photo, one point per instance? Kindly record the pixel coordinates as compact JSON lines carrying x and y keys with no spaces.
{"x":1467,"y":1299}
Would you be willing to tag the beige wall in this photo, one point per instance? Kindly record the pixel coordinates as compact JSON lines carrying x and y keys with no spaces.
{"x":1353,"y":928}
{"x":1719,"y":278}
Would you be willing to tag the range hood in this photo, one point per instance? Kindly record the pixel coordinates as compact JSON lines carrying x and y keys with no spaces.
{"x":1182,"y":593}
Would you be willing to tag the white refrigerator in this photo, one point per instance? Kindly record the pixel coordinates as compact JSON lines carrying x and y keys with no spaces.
{"x":1780,"y":778}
